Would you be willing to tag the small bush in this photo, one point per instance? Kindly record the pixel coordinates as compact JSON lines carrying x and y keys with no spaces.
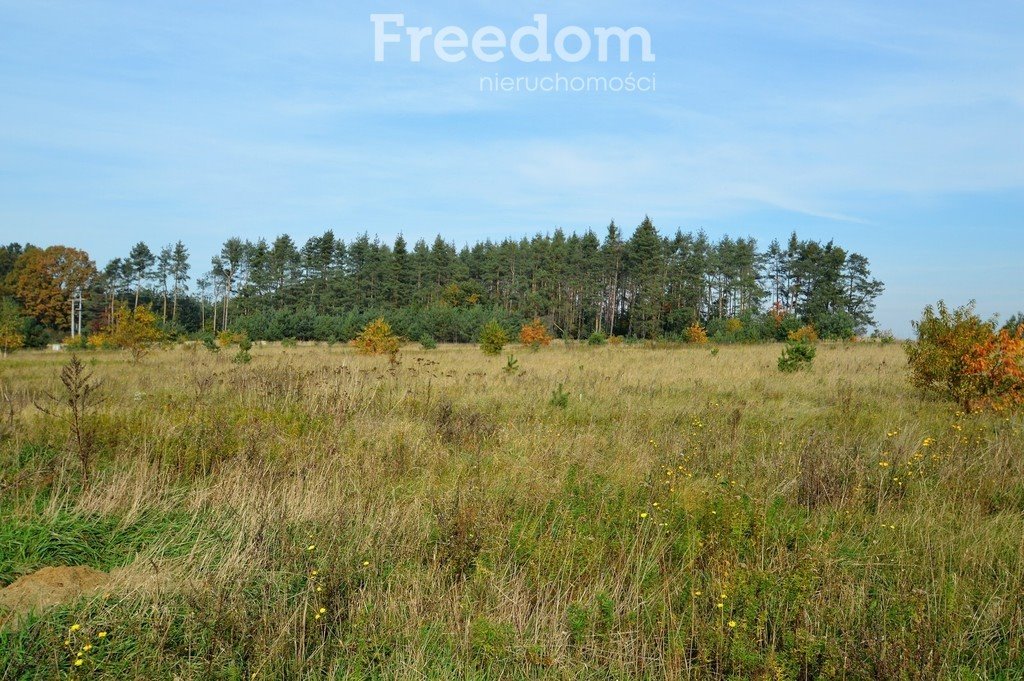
{"x":377,"y":338}
{"x":427,"y":342}
{"x":76,"y":407}
{"x":69,"y":343}
{"x":512,"y":365}
{"x":491,"y":642}
{"x":938,"y":360}
{"x":597,"y":338}
{"x":463,"y":426}
{"x":458,"y":537}
{"x":797,"y":355}
{"x":995,"y":371}
{"x":614,"y":340}
{"x":804,"y":334}
{"x":559,"y":398}
{"x":208,"y":340}
{"x":289,"y":342}
{"x":696,"y":334}
{"x":534,"y":334}
{"x":244,"y":346}
{"x":492,"y":338}
{"x":228,"y":338}
{"x":883,"y":336}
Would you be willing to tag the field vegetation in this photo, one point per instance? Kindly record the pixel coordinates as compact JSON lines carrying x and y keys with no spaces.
{"x":605,"y":510}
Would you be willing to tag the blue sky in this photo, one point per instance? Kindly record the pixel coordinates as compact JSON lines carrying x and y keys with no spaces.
{"x":896,"y":128}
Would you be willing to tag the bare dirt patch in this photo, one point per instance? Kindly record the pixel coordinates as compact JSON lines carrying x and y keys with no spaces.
{"x":45,"y":588}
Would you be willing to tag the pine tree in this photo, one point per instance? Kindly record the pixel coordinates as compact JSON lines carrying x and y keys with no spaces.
{"x":612,"y":250}
{"x":140,"y":263}
{"x":646,"y":280}
{"x":400,"y":283}
{"x":179,"y":275}
{"x":162,"y":274}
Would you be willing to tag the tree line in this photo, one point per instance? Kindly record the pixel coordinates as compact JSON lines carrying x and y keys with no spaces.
{"x":644,"y":285}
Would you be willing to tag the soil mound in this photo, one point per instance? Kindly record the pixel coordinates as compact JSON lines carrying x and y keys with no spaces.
{"x":45,"y":588}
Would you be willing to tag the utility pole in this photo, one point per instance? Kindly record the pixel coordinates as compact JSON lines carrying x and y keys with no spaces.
{"x":76,"y":313}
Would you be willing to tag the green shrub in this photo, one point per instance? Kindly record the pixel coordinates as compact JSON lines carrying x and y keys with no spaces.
{"x":559,"y":398}
{"x":797,"y":355}
{"x":577,"y":619}
{"x":835,"y":325}
{"x":883,"y":336}
{"x":493,"y":338}
{"x":597,"y":338}
{"x":512,"y":366}
{"x":209,"y":341}
{"x":427,"y":342}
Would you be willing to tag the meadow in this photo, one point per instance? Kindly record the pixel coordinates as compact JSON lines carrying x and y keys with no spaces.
{"x":601,"y":512}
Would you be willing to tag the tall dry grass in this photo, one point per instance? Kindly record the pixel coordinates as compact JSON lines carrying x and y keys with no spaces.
{"x":686,"y":515}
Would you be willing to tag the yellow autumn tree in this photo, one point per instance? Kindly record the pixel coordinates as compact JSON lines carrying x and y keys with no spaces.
{"x":131,"y":330}
{"x":377,"y":338}
{"x":806,"y":334}
{"x":697,"y":334}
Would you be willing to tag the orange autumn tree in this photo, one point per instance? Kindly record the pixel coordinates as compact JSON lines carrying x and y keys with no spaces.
{"x":995,"y":371}
{"x":43,"y":280}
{"x":960,"y":356}
{"x":534,"y":334}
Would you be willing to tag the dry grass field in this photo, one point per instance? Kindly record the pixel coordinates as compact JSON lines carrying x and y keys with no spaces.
{"x":666,"y":513}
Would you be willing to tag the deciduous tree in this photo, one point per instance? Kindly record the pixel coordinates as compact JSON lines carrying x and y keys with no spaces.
{"x":44,"y":280}
{"x":11,"y":336}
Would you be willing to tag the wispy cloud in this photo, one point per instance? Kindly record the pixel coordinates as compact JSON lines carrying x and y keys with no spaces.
{"x":205,"y":120}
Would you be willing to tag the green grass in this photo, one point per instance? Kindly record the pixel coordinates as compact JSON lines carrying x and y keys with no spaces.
{"x":673,"y":515}
{"x":101,"y":542}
